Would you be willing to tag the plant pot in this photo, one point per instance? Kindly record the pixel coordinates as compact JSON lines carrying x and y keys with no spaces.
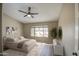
{"x":54,"y":42}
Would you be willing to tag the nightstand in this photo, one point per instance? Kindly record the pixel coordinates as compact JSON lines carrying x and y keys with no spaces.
{"x":58,"y":50}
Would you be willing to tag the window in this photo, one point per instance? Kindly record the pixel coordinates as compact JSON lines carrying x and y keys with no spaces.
{"x":39,"y":31}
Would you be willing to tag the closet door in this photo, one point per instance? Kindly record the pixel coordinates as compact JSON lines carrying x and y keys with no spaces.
{"x":1,"y":30}
{"x":78,"y":27}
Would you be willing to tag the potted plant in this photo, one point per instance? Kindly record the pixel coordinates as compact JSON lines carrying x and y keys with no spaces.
{"x":60,"y":33}
{"x":56,"y":34}
{"x":59,"y":41}
{"x":53,"y":34}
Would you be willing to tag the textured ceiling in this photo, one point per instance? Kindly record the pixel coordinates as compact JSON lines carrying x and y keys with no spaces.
{"x":47,"y":11}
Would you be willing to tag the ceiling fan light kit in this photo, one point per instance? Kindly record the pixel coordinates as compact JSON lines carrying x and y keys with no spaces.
{"x":29,"y":13}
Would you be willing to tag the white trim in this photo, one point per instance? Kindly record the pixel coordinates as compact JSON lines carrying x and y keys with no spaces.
{"x":76,"y":27}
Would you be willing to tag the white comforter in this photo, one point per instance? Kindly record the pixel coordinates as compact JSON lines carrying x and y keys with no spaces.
{"x":26,"y":47}
{"x":41,"y":49}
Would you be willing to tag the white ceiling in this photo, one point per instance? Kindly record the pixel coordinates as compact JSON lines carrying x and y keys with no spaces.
{"x":47,"y":11}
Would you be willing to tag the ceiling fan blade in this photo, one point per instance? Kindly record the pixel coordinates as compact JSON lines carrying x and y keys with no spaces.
{"x":22,"y":11}
{"x":32,"y":16}
{"x":25,"y":15}
{"x":34,"y":13}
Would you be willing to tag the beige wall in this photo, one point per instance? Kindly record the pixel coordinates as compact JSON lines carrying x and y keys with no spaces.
{"x":27,"y":30}
{"x":8,"y":21}
{"x":67,"y":21}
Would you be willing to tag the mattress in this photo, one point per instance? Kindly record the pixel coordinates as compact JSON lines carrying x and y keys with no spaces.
{"x":41,"y":49}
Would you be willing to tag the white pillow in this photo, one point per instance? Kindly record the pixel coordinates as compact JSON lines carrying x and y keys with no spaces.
{"x":22,"y":38}
{"x":10,"y":40}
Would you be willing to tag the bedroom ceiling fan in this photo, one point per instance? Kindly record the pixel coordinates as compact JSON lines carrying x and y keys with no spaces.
{"x":29,"y":13}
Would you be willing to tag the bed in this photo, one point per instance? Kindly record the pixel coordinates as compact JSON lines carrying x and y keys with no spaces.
{"x":27,"y":47}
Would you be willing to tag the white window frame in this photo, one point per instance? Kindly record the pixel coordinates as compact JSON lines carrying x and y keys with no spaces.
{"x":40,"y":26}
